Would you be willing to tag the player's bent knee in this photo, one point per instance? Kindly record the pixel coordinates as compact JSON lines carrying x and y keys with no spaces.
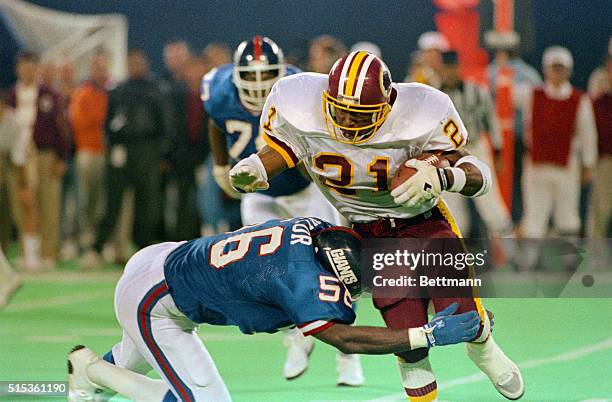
{"x":208,"y":385}
{"x":213,"y":391}
{"x":413,"y":356}
{"x":205,"y":380}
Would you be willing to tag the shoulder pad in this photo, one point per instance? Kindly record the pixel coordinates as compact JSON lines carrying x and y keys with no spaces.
{"x":218,"y":83}
{"x":298,"y":99}
{"x":420,"y":106}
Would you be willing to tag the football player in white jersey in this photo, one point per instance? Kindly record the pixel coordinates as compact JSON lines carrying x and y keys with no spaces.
{"x":234,"y":95}
{"x":353,"y":129}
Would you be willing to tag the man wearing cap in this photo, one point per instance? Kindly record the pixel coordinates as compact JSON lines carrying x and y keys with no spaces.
{"x":475,"y":106}
{"x":561,"y":142}
{"x":431,"y":45}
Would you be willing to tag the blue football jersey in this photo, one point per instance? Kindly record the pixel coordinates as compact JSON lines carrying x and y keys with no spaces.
{"x":260,"y":278}
{"x":241,"y":127}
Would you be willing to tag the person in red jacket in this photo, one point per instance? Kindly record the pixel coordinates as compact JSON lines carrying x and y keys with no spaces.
{"x":561,"y":141}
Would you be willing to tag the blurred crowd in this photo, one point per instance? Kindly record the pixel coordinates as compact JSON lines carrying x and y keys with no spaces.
{"x":96,"y":169}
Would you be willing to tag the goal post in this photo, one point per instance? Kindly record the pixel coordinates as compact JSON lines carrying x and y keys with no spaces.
{"x":59,"y":36}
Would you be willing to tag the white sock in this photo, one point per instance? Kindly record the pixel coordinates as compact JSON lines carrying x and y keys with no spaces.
{"x":136,"y":387}
{"x":295,"y":337}
{"x":419,"y":380}
{"x":31,"y":249}
{"x":489,"y":358}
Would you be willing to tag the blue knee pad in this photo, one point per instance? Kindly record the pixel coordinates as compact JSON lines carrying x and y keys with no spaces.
{"x":108,"y":357}
{"x":169,"y":397}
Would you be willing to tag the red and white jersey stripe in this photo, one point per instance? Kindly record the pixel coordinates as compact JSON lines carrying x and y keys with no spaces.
{"x":314,"y":327}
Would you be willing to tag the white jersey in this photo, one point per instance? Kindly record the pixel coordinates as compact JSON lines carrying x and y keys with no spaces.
{"x":356,"y":177}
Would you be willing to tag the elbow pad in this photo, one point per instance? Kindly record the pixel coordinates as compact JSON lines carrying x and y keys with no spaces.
{"x":485,"y":172}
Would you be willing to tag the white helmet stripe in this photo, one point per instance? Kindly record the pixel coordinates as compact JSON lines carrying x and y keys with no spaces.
{"x":362,"y":75}
{"x":344,"y":74}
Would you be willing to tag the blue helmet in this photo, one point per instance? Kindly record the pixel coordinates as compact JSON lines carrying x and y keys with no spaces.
{"x":338,"y":249}
{"x":258,"y":64}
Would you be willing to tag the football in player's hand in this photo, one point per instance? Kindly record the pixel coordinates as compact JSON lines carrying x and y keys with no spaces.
{"x":404,"y":172}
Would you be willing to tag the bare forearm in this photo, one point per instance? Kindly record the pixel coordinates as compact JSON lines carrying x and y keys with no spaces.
{"x":366,"y":340}
{"x":377,"y":340}
{"x":272,"y":161}
{"x":218,"y":144}
{"x":446,"y":328}
{"x":474,"y":179}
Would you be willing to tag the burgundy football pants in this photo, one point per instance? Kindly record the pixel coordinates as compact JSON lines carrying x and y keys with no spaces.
{"x":407,"y":312}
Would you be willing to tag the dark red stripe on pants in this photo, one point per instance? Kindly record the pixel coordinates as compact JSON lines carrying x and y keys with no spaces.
{"x":144,"y":323}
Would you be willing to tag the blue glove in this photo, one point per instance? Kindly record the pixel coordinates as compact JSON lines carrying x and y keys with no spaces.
{"x":447,"y":329}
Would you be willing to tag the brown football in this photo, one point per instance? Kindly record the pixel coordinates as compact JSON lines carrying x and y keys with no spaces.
{"x":403,"y":173}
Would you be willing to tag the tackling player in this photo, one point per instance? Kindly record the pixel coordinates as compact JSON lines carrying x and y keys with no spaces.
{"x":234,"y":95}
{"x":353,"y":129}
{"x":260,"y":278}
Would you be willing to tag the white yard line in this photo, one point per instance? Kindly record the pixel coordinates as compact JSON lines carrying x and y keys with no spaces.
{"x":51,"y":339}
{"x":563,"y":357}
{"x":73,"y":277}
{"x":57,"y":301}
{"x":115,"y":332}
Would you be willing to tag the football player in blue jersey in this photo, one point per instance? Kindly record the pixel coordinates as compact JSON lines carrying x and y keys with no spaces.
{"x":234,"y":95}
{"x":259,"y":278}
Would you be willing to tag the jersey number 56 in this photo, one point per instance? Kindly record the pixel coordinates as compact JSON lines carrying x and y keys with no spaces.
{"x":235,"y":248}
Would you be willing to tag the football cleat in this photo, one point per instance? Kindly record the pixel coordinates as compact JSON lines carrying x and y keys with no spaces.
{"x":80,"y":387}
{"x":503,"y":373}
{"x":349,"y":370}
{"x":299,"y":349}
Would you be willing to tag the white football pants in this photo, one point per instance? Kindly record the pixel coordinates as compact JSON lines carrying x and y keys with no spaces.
{"x":551,"y":190}
{"x":157,"y":335}
{"x":258,"y":208}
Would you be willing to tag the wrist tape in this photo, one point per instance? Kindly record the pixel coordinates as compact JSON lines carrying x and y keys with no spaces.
{"x":459,"y":179}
